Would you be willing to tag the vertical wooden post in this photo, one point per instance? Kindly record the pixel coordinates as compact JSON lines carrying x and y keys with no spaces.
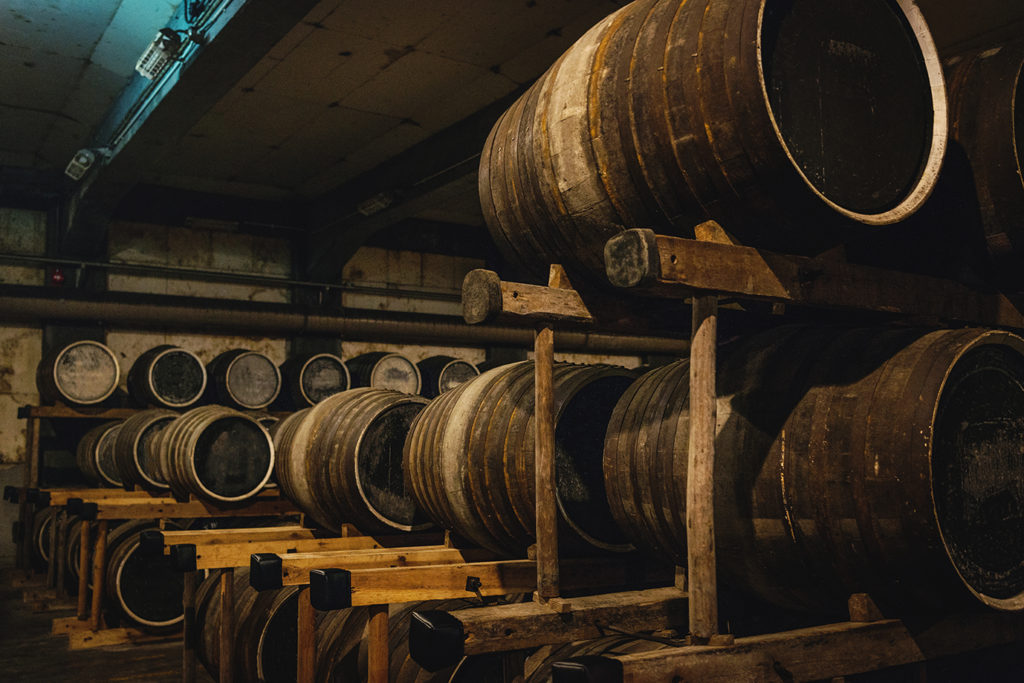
{"x":51,"y":566}
{"x":306,"y":663}
{"x":544,"y":465}
{"x":99,"y":566}
{"x":188,"y":632}
{"x":700,"y":523}
{"x":83,"y":570}
{"x":25,"y":509}
{"x":61,"y":532}
{"x":377,"y":640}
{"x":227,"y":624}
{"x":32,"y":452}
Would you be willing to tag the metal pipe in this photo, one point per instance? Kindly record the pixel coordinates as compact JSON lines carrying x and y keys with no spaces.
{"x":206,"y":315}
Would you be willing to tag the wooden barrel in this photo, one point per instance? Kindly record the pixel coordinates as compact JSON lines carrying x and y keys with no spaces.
{"x":341,"y":460}
{"x":441,"y":373}
{"x":265,"y":640}
{"x":311,"y":379}
{"x":43,"y":525}
{"x":96,"y":457}
{"x":242,"y":379}
{"x":986,"y":97}
{"x":134,"y":454}
{"x":83,"y":373}
{"x":879,"y":461}
{"x":382,"y":370}
{"x":790,"y":123}
{"x":469,"y":457}
{"x":167,"y":376}
{"x":144,"y":589}
{"x":216,"y":453}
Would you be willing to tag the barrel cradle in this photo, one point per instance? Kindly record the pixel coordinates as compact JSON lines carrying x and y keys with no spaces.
{"x":792,"y":124}
{"x":881,"y":461}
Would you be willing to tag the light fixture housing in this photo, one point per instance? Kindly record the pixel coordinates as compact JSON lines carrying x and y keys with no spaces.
{"x":160,"y":53}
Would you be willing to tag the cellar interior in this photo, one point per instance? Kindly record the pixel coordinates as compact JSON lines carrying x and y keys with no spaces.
{"x":532,"y":340}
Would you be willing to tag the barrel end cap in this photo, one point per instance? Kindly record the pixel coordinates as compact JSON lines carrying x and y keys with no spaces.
{"x":436,"y":639}
{"x":330,"y":589}
{"x":592,"y":669}
{"x":481,"y":296}
{"x":183,"y":556}
{"x":265,"y":571}
{"x":151,"y":542}
{"x":631,"y":258}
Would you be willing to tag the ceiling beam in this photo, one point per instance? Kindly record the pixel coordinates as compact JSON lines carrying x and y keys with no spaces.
{"x":146,"y":122}
{"x":439,"y":169}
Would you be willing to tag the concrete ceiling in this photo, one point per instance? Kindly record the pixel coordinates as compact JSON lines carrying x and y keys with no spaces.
{"x":345,"y":99}
{"x":62,"y":65}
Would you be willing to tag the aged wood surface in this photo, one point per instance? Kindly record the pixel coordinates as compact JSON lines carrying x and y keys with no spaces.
{"x":61,"y":410}
{"x":378,"y":647}
{"x":687,"y":266}
{"x":528,"y":624}
{"x":99,"y":567}
{"x":213,"y":537}
{"x":85,"y":531}
{"x":833,"y":650}
{"x":544,"y":464}
{"x":295,"y":567}
{"x":238,"y":554}
{"x":306,"y":638}
{"x":227,"y":625}
{"x":486,"y":298}
{"x":189,"y":636}
{"x":700,"y":483}
{"x":258,"y":507}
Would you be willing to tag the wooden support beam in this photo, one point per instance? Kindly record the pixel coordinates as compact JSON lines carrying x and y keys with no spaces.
{"x":226,"y":636}
{"x":442,"y":639}
{"x":306,"y":636}
{"x":266,"y":504}
{"x":295,"y":567}
{"x":60,"y":497}
{"x":825,"y":652}
{"x":99,"y":567}
{"x":675,"y":267}
{"x":212,"y":537}
{"x":700,"y":481}
{"x":189,"y":636}
{"x":62,"y":545}
{"x":239,"y":554}
{"x":85,"y":531}
{"x":544,"y":466}
{"x":486,"y":298}
{"x":389,"y":585}
{"x":378,"y":647}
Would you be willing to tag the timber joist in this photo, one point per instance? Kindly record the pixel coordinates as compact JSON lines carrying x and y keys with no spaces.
{"x":655,"y":265}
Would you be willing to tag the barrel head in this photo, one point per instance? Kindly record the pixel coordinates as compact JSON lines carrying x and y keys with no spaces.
{"x":151,"y":542}
{"x":183,"y":556}
{"x":435,"y":639}
{"x":265,"y":572}
{"x":330,"y":589}
{"x":587,"y":670}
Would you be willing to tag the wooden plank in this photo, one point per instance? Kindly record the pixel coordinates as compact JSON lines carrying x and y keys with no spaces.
{"x":60,"y":497}
{"x":544,"y":465}
{"x":65,"y":411}
{"x":99,"y":566}
{"x":86,"y":639}
{"x":83,"y":569}
{"x":62,"y":552}
{"x":189,"y":636}
{"x":378,"y":648}
{"x":486,"y":298}
{"x":528,"y":624}
{"x":295,"y":567}
{"x":306,"y":636}
{"x":445,"y":582}
{"x":835,"y":650}
{"x":110,"y":509}
{"x":238,"y":554}
{"x":227,"y":625}
{"x":210,"y":537}
{"x":700,"y":481}
{"x":64,"y":625}
{"x":676,"y":267}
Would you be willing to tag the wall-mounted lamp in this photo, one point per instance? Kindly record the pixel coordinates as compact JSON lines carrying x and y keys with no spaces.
{"x":80,"y":163}
{"x":160,"y":53}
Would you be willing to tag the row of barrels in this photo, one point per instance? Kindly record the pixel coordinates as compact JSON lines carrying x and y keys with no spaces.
{"x":873,"y":460}
{"x":797,"y":126}
{"x":88,"y":373}
{"x":265,"y":641}
{"x":140,"y":589}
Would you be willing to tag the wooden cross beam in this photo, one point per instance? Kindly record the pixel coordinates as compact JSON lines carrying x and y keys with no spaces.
{"x":486,"y":297}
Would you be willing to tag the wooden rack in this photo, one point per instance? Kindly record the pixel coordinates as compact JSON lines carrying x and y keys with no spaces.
{"x":96,"y":508}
